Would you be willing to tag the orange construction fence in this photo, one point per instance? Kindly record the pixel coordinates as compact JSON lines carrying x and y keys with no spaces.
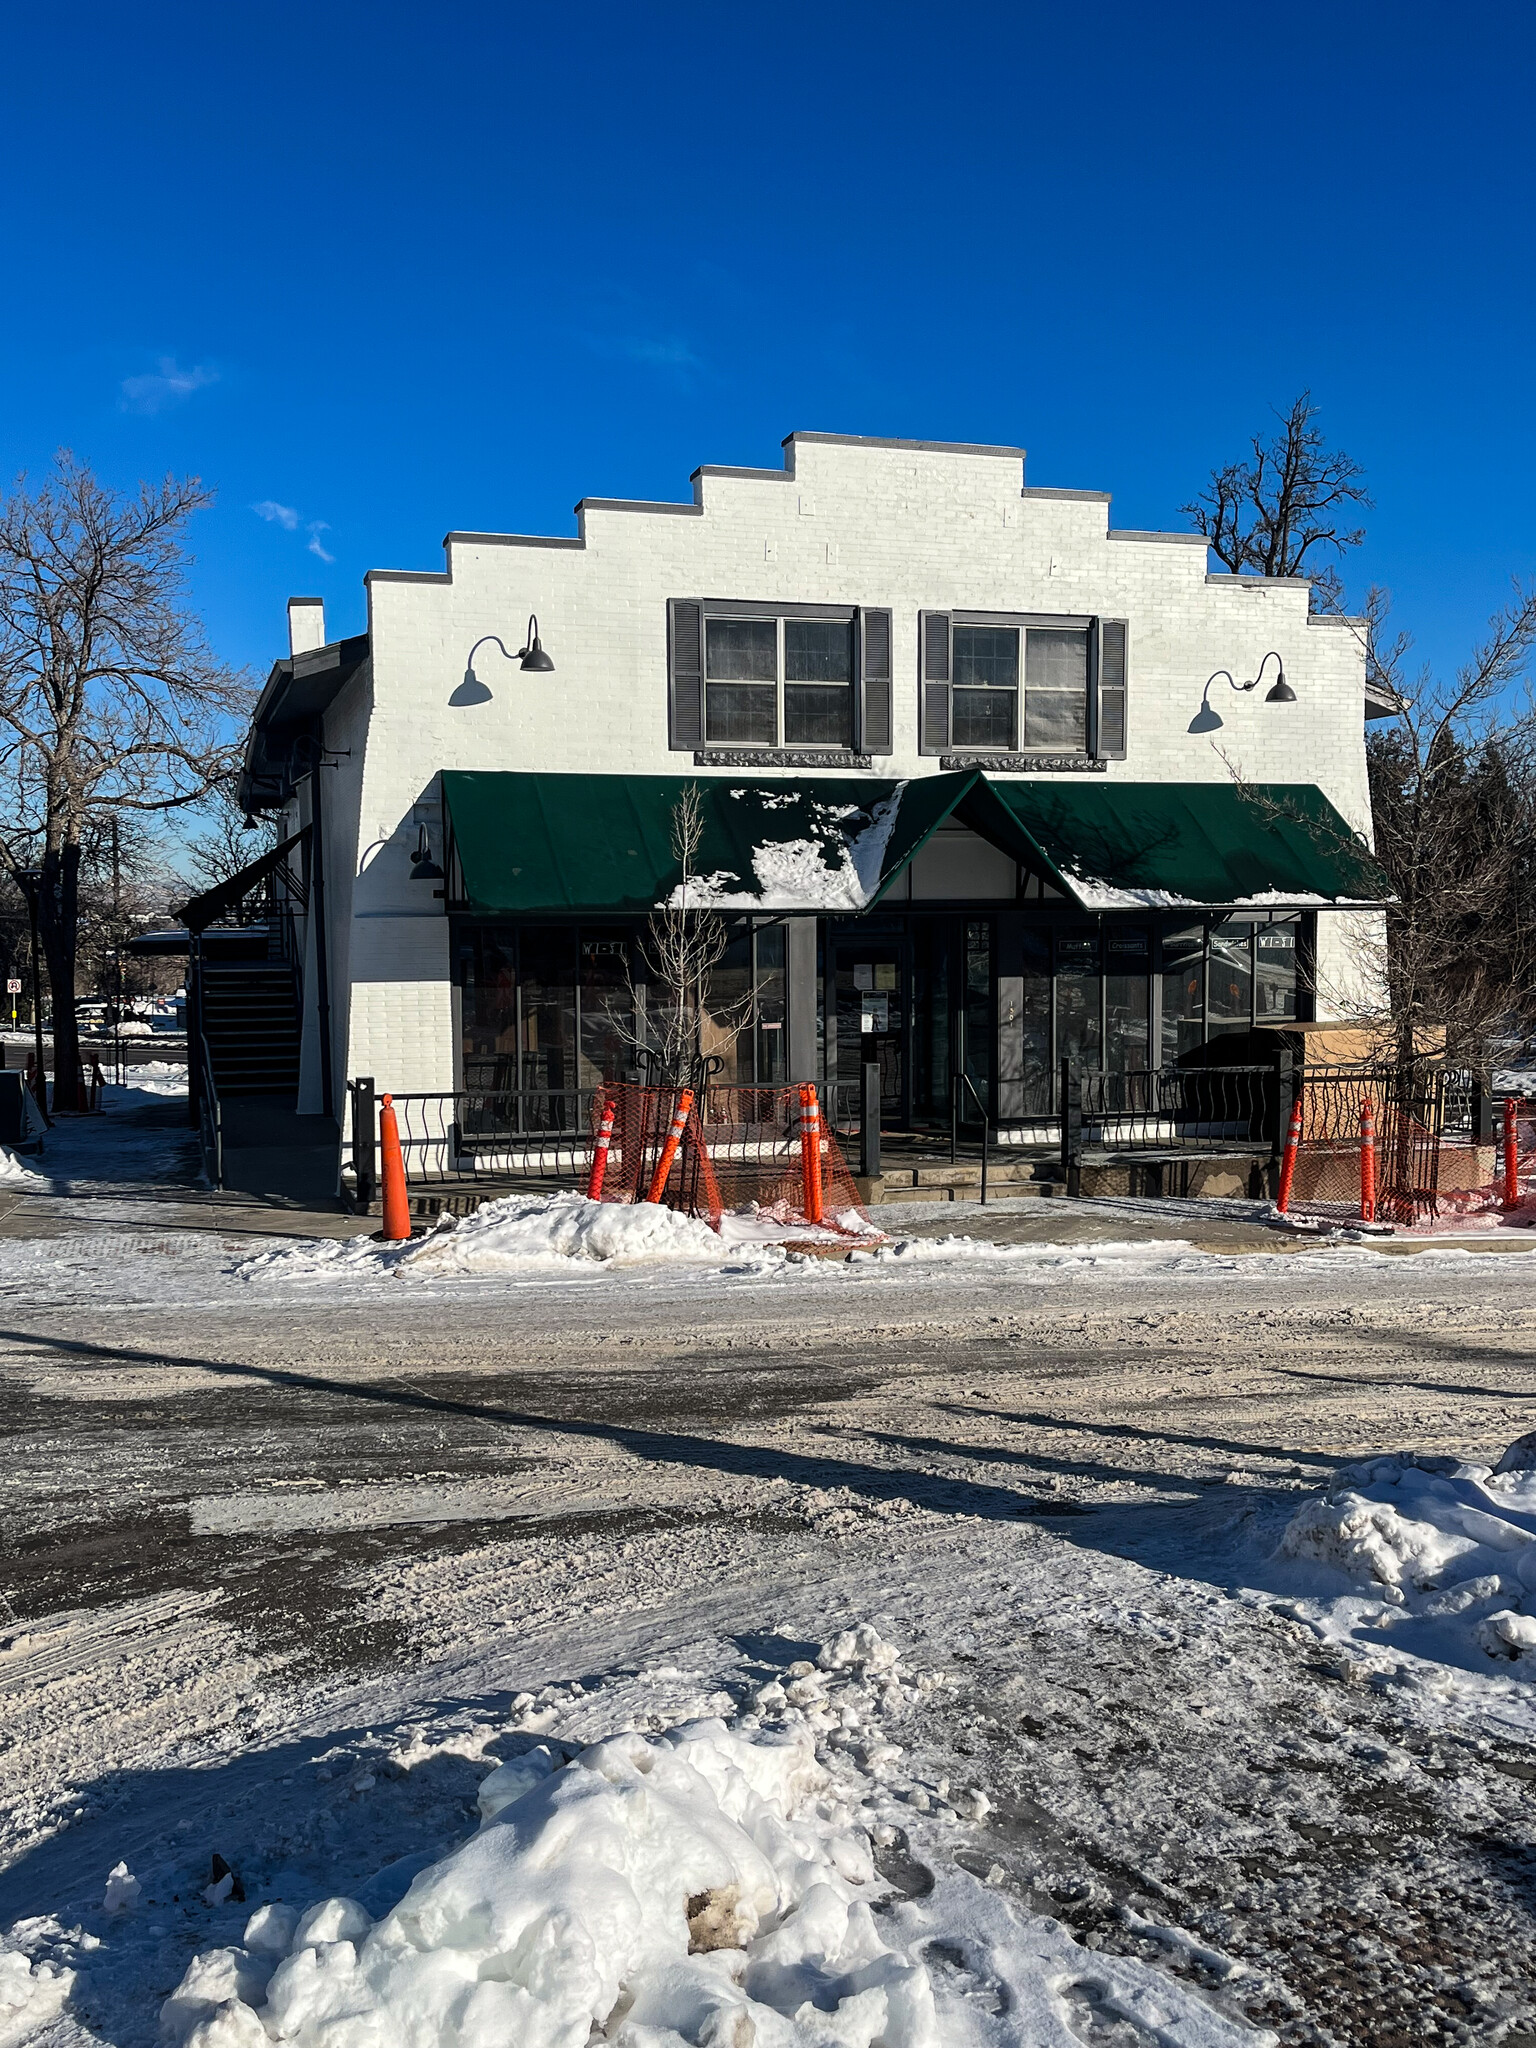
{"x":716,"y":1149}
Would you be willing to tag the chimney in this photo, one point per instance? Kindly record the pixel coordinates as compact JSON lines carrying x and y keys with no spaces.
{"x":306,"y":624}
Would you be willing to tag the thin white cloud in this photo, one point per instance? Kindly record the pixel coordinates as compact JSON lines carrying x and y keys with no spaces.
{"x":290,"y":519}
{"x":168,"y":385}
{"x":651,"y":352}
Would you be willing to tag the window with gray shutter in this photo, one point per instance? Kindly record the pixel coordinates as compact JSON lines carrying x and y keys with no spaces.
{"x":1111,"y":722}
{"x":685,"y":673}
{"x":935,"y":682}
{"x":875,"y":670}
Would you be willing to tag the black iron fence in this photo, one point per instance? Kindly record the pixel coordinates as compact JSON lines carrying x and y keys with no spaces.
{"x":1169,"y":1112}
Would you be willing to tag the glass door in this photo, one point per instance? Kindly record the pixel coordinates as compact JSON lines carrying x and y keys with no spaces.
{"x":872,"y":1014}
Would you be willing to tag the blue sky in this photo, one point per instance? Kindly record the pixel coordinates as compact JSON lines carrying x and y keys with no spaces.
{"x":387,"y":270}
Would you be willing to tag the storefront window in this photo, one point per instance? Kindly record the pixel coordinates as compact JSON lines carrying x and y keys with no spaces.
{"x":1275,"y":973}
{"x":725,"y":1030}
{"x":1035,"y":1063}
{"x":607,"y":1031}
{"x":1183,"y":993}
{"x":978,"y":1014}
{"x":1079,"y":992}
{"x":771,"y":1020}
{"x":1230,"y":977}
{"x":490,"y":1010}
{"x":549,"y":1009}
{"x":1127,"y":964}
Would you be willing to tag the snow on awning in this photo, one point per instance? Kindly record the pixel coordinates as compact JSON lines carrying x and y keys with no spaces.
{"x":1172,"y":845}
{"x":545,"y":845}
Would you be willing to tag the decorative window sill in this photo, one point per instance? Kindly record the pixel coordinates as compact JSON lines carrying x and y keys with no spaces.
{"x":779,"y":757}
{"x":1027,"y":764}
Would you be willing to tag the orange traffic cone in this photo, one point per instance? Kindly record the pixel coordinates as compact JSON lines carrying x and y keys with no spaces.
{"x":397,"y":1206}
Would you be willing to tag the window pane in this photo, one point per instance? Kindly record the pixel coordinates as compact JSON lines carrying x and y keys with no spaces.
{"x":978,"y":1016}
{"x":1183,"y":993}
{"x":983,"y":718}
{"x":1053,"y":719}
{"x":606,"y":1010}
{"x":987,"y":656}
{"x":742,"y":650}
{"x":1078,"y":1036}
{"x":1275,"y":980}
{"x":817,"y":716}
{"x":818,"y":651}
{"x":1056,"y":659}
{"x":549,"y":1018}
{"x":1127,"y":962}
{"x":490,"y":1012}
{"x":735,"y":714}
{"x":725,"y":1031}
{"x":770,"y":1004}
{"x":1038,"y":1075}
{"x":1231,"y":977}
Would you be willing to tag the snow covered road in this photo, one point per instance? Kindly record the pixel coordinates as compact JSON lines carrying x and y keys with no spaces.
{"x":291,"y":1561}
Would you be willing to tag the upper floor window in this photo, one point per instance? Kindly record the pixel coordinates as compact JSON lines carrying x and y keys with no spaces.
{"x":778,"y":682}
{"x":1020,"y":685}
{"x":779,"y":676}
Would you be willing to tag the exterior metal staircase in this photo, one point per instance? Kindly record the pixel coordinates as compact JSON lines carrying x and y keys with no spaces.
{"x":251,"y":1022}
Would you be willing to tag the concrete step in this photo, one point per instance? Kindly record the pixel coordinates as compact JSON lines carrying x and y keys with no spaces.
{"x":885,"y":1191}
{"x":967,"y":1172}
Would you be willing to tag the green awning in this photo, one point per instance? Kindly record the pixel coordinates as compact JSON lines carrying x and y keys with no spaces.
{"x":536,"y":845}
{"x":1135,"y":845}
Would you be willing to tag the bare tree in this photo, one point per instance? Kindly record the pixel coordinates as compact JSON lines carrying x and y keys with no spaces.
{"x":231,"y":842}
{"x":1453,"y":795}
{"x":681,"y":950}
{"x":1286,"y":509}
{"x":109,"y":698}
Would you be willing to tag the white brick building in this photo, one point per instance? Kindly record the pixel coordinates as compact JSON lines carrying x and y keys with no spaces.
{"x":876,"y":614}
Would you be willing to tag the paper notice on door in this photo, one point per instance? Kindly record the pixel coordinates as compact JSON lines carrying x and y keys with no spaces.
{"x":875,"y":1013}
{"x":885,"y":974}
{"x":863,"y":975}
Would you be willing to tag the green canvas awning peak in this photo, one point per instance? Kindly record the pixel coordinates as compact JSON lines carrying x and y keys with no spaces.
{"x":549,"y":845}
{"x":1164,"y":845}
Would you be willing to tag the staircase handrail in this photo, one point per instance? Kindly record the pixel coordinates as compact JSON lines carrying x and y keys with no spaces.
{"x":957,"y":1082}
{"x":210,"y":1115}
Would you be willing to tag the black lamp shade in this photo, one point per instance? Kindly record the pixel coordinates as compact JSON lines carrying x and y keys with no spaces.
{"x":1280,"y":691}
{"x":535,"y":658}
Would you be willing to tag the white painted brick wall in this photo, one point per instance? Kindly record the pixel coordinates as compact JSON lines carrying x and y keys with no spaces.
{"x":913,"y":529}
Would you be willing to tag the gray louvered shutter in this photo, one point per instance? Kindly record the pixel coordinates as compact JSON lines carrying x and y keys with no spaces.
{"x":685,"y":673}
{"x":875,"y":678}
{"x":1110,"y":723}
{"x":936,"y":675}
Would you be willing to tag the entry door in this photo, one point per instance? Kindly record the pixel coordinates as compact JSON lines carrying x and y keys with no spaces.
{"x":872,"y":1007}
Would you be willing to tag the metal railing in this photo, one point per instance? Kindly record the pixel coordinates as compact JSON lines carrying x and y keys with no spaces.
{"x":1168,"y":1112}
{"x":210,"y":1117}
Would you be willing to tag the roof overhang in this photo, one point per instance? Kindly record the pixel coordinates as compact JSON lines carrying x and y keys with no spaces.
{"x":297,"y":695}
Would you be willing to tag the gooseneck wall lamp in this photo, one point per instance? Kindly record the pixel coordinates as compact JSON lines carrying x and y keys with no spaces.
{"x":423,"y":867}
{"x":530,"y":657}
{"x":1209,"y":719}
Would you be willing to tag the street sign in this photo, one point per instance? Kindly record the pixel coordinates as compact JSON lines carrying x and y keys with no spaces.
{"x":13,"y":985}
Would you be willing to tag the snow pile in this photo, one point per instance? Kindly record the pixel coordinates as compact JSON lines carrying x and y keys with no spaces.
{"x":157,"y":1077}
{"x":15,"y":1172}
{"x":31,"y":1994}
{"x":1443,"y":1552}
{"x":538,"y":1230}
{"x":687,"y":1888}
